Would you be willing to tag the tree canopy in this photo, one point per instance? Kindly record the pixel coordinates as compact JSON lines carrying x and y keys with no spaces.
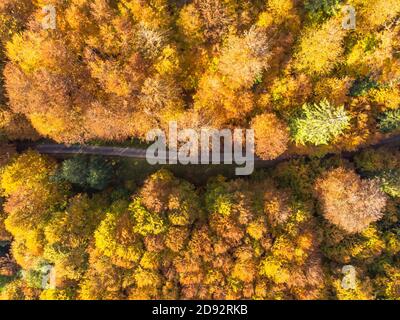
{"x":322,"y":97}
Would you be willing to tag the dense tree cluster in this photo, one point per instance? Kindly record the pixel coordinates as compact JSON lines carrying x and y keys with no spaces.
{"x":113,"y":70}
{"x":316,"y":93}
{"x":284,"y":234}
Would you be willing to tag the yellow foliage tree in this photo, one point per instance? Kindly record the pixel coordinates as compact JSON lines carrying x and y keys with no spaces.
{"x":320,"y":50}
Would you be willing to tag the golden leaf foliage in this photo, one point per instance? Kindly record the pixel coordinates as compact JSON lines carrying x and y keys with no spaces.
{"x":348,"y":201}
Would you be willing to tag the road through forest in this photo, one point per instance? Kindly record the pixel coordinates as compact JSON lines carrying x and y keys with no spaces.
{"x":140,"y":154}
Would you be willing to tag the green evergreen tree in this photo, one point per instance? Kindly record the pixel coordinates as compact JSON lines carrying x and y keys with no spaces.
{"x":95,"y":172}
{"x":391,"y":182}
{"x":320,"y":10}
{"x":75,"y":170}
{"x":99,"y":173}
{"x":319,"y":123}
{"x":389,"y":121}
{"x":362,"y":86}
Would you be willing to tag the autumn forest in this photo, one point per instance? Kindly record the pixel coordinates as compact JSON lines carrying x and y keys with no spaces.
{"x":317,"y":80}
